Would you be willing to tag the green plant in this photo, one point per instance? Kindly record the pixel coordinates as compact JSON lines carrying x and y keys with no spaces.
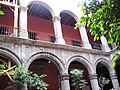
{"x":3,"y":66}
{"x":115,"y":59}
{"x":23,"y":76}
{"x":1,"y":12}
{"x":103,"y":19}
{"x":77,"y":78}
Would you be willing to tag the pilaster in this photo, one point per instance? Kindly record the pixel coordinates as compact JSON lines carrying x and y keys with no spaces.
{"x":94,"y":82}
{"x":58,"y":30}
{"x":115,"y":81}
{"x":84,"y":37}
{"x":65,"y":82}
{"x":23,"y":33}
{"x":105,"y":44}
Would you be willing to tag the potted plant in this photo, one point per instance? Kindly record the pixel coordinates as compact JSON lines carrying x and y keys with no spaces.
{"x":76,"y":76}
{"x":24,"y":77}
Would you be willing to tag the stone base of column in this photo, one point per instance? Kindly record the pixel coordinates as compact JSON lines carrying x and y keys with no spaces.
{"x":106,"y":48}
{"x":65,"y":82}
{"x":87,"y":45}
{"x":23,"y":34}
{"x":115,"y":81}
{"x":94,"y":82}
{"x":60,"y":40}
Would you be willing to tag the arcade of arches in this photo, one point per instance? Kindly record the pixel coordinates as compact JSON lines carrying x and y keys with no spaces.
{"x":46,"y":42}
{"x":55,"y":77}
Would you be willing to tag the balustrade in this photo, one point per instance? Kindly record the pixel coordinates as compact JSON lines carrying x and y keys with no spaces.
{"x":6,"y":30}
{"x":36,"y":35}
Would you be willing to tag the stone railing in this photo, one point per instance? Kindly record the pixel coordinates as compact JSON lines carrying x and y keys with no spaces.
{"x":6,"y":30}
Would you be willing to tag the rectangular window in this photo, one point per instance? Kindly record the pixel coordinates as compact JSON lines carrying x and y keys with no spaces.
{"x":96,"y":46}
{"x":76,"y":43}
{"x":52,"y":39}
{"x":32,"y":35}
{"x":3,"y":30}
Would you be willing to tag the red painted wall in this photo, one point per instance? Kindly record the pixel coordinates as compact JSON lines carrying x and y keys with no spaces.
{"x":50,"y":70}
{"x":45,"y":26}
{"x":7,"y":18}
{"x":91,"y":39}
{"x":40,"y":25}
{"x":70,"y":33}
{"x":4,"y":80}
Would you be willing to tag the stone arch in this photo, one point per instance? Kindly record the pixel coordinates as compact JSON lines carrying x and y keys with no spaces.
{"x":71,"y":13}
{"x":9,"y":54}
{"x":49,"y":56}
{"x":106,"y":63}
{"x":43,"y":4}
{"x":82,"y":60}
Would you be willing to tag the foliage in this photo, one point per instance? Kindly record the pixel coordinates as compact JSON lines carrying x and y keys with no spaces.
{"x":23,"y":76}
{"x":115,"y":59}
{"x":77,"y":78}
{"x":1,"y":12}
{"x":102,"y":18}
{"x":3,"y":66}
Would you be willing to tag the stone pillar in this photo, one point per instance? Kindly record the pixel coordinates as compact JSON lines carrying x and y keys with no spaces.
{"x":94,"y":82}
{"x":105,"y":44}
{"x":115,"y":81}
{"x":65,"y":82}
{"x":58,"y":30}
{"x":84,"y":37}
{"x":23,"y":32}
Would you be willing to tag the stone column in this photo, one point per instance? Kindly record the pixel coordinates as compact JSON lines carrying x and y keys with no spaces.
{"x":115,"y":81}
{"x":23,"y":32}
{"x":105,"y":44}
{"x":58,"y":30}
{"x":84,"y":37}
{"x":65,"y":82}
{"x":94,"y":82}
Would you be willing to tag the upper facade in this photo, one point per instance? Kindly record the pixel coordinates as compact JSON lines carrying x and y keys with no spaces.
{"x":49,"y":21}
{"x":40,"y":35}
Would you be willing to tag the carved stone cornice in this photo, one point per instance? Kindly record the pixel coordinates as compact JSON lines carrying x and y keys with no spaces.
{"x":64,"y":77}
{"x":93,"y":76}
{"x":113,"y":76}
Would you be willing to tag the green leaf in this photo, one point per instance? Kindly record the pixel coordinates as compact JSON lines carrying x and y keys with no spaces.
{"x":110,"y":40}
{"x":113,"y":63}
{"x":1,"y":12}
{"x":118,"y":28}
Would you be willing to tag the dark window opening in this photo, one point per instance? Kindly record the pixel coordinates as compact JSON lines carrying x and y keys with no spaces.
{"x":52,"y":39}
{"x":76,"y":43}
{"x":32,"y":35}
{"x":3,"y":30}
{"x":96,"y":46}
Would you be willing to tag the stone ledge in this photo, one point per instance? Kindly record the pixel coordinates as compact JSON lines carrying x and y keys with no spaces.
{"x":20,"y":41}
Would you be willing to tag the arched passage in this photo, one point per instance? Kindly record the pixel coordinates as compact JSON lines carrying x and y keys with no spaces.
{"x":79,"y":62}
{"x":78,"y":65}
{"x":68,"y":21}
{"x":9,"y":61}
{"x":40,"y":23}
{"x":103,"y":69}
{"x":49,"y":64}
